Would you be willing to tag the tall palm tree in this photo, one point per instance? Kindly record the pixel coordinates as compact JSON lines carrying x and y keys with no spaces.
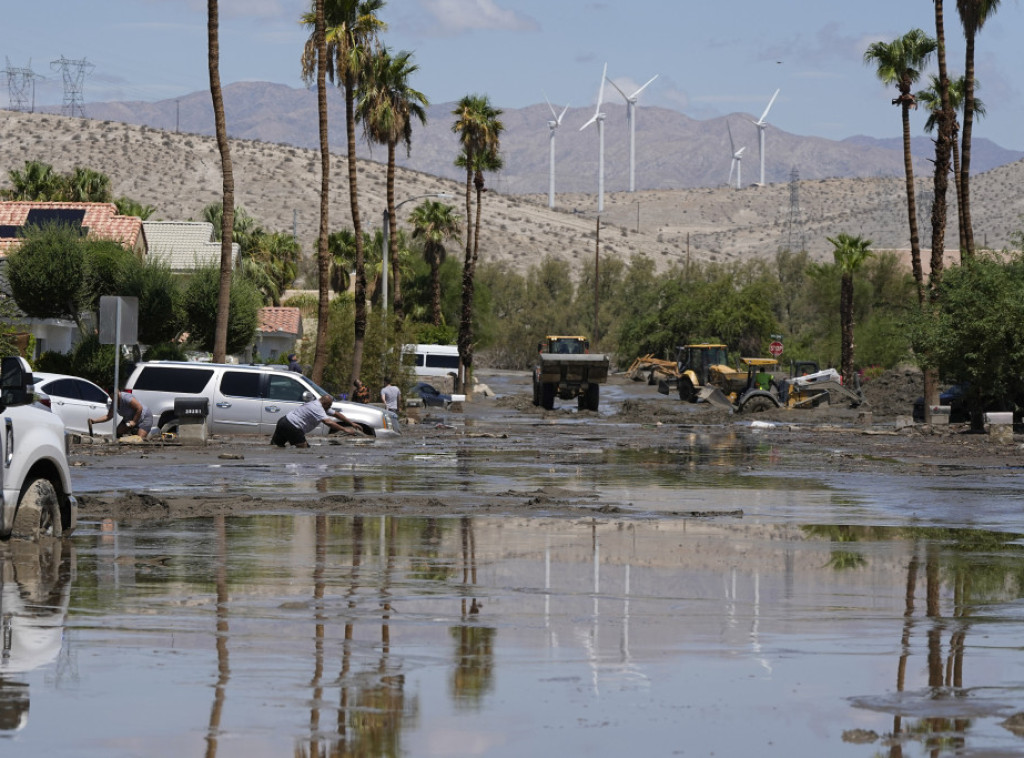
{"x":900,"y":62}
{"x":973,"y":15}
{"x":850,"y":253}
{"x":37,"y":181}
{"x":387,"y":106}
{"x":220,"y":333}
{"x":342,"y":249}
{"x":315,"y":64}
{"x":351,"y":33}
{"x":931,"y":100}
{"x":435,"y":223}
{"x":479,"y":128}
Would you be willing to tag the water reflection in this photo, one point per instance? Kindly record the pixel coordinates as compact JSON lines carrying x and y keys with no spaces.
{"x":34,"y":595}
{"x":350,"y":636}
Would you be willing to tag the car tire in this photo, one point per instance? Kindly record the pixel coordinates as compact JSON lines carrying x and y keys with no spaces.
{"x":38,"y":513}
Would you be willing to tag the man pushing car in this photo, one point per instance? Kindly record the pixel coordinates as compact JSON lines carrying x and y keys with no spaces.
{"x":293,"y":427}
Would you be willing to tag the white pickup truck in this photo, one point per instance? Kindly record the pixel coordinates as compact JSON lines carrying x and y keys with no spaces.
{"x":35,"y":480}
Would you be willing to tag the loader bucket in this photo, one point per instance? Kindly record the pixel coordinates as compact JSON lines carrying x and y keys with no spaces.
{"x":714,"y":396}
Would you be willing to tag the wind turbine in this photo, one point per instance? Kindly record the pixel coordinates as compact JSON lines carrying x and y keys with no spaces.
{"x":599,"y":118}
{"x":761,"y":124}
{"x":631,"y":124}
{"x":737,"y":157}
{"x":553,"y":126}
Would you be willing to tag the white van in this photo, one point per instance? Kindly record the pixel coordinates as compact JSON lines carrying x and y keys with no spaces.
{"x":431,"y":360}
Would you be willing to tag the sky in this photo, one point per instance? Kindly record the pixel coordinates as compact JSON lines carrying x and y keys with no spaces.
{"x":711,"y":59}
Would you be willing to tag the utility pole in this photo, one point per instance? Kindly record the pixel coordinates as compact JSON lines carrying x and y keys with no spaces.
{"x":21,"y":87}
{"x":73,"y":74}
{"x":597,"y":264}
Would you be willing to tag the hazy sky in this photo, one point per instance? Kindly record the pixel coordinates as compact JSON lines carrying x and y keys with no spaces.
{"x":713,"y":58}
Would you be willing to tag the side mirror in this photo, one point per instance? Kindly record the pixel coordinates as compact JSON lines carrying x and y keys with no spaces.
{"x":15,"y":381}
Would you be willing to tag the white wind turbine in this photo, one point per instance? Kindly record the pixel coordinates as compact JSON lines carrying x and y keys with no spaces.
{"x":599,"y":118}
{"x":553,"y":126}
{"x":737,"y":158}
{"x":761,"y":124}
{"x":631,"y":124}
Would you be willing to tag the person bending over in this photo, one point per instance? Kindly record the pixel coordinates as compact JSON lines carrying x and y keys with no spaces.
{"x":135,"y":417}
{"x":293,"y":427}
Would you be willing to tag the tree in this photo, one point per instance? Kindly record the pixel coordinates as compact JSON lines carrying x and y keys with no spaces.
{"x":351,"y":29}
{"x":49,"y":273}
{"x":850,"y":253}
{"x":37,"y":181}
{"x":220,"y":340}
{"x":83,"y":185}
{"x":479,"y":130}
{"x":973,"y":15}
{"x":128,"y":207}
{"x":201,"y":311}
{"x":387,"y":106}
{"x":931,"y":99}
{"x":900,"y":62}
{"x":435,"y":223}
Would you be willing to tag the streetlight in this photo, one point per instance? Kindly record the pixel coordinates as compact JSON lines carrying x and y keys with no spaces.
{"x":387,"y":235}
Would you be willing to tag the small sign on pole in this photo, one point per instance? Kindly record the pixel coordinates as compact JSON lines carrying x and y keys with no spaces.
{"x":775,"y":348}
{"x":119,"y":325}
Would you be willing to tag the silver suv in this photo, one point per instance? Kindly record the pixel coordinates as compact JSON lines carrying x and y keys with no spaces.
{"x":241,"y":399}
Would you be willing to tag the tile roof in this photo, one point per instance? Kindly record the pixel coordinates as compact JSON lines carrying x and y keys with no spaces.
{"x":281,"y":320}
{"x":183,"y":245}
{"x":100,"y":219}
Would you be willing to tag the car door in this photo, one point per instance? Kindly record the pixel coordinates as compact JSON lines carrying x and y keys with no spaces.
{"x":94,"y":403}
{"x":76,"y":401}
{"x":236,"y":403}
{"x":283,"y":393}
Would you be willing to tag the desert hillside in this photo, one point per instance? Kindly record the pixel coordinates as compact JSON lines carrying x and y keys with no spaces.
{"x":179,"y":174}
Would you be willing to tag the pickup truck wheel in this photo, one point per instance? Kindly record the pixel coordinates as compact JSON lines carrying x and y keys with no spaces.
{"x":547,"y":396}
{"x":38,"y":511}
{"x":169,"y":427}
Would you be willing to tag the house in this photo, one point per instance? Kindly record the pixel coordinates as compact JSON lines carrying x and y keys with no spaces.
{"x":278,"y":331}
{"x":96,"y":220}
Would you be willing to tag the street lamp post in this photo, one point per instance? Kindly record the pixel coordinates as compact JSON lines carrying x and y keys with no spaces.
{"x":387,"y":237}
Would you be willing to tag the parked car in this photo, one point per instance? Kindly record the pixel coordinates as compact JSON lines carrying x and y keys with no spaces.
{"x":954,"y":398}
{"x":241,"y":399}
{"x":35,"y":498}
{"x":430,"y":395}
{"x":74,"y":399}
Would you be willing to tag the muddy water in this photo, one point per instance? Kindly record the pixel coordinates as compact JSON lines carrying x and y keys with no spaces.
{"x":316,"y":634}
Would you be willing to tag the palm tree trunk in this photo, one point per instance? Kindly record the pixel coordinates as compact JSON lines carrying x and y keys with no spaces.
{"x":965,"y":150}
{"x":846,"y":328}
{"x":915,"y":240}
{"x":435,"y":287}
{"x":323,"y":257}
{"x":396,"y":290}
{"x":465,"y":319}
{"x":220,"y":334}
{"x":357,"y":230}
{"x":958,"y":186}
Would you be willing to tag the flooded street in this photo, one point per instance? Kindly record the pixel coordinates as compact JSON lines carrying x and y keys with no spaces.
{"x":525,"y":584}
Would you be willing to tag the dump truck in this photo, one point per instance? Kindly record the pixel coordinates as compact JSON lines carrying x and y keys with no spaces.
{"x":567,"y":369}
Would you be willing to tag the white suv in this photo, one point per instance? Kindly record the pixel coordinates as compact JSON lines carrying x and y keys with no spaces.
{"x":240,"y":399}
{"x":36,"y":495}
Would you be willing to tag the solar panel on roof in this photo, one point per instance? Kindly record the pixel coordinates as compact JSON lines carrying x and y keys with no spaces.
{"x":9,"y":232}
{"x":63,"y":216}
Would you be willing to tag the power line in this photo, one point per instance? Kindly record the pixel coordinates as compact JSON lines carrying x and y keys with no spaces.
{"x":794,"y":238}
{"x":73,"y":75}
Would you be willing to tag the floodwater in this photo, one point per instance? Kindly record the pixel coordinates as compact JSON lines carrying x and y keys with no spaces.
{"x":842,"y":614}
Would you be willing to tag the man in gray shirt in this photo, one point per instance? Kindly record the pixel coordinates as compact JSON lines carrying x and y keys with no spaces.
{"x":294,"y":427}
{"x":390,"y":395}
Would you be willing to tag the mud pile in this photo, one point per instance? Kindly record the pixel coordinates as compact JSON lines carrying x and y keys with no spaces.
{"x":894,"y":392}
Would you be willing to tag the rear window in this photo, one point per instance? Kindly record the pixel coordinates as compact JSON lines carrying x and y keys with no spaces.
{"x":442,"y":361}
{"x":185,"y":381}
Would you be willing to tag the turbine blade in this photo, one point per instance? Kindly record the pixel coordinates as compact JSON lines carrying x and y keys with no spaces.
{"x":562,"y":115}
{"x":624,"y":95}
{"x":551,"y":107}
{"x":770,"y":104}
{"x":740,"y":152}
{"x":600,"y":90}
{"x":637,"y":93}
{"x":592,"y":120}
{"x":732,"y":145}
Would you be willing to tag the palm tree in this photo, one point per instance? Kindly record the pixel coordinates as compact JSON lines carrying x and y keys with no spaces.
{"x":435,"y":223}
{"x":930,"y":98}
{"x":128,"y":207}
{"x":342,"y":249}
{"x":314,"y":66}
{"x":900,"y":62}
{"x":973,"y":15}
{"x":479,"y":130}
{"x":850,"y":253}
{"x":220,"y":334}
{"x":387,"y":106}
{"x":351,"y":29}
{"x":37,"y":181}
{"x":84,"y":185}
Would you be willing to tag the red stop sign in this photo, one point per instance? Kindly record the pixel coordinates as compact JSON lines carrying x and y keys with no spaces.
{"x":775,"y":348}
